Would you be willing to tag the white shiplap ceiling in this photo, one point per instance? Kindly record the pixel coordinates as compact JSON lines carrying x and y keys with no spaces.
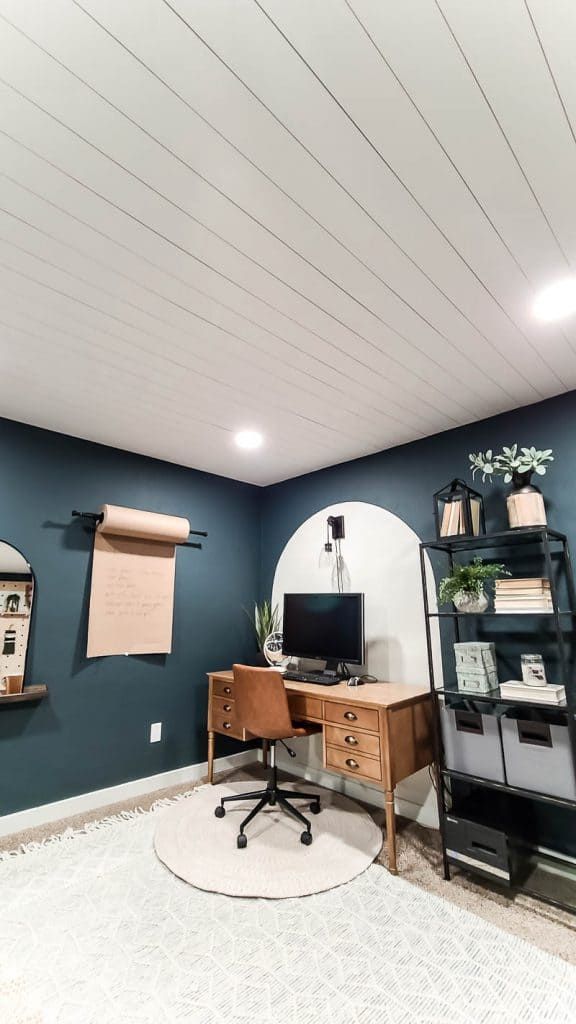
{"x":323,"y":219}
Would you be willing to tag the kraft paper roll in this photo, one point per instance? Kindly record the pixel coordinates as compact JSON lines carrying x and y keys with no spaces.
{"x":132,"y":588}
{"x":134,"y":522}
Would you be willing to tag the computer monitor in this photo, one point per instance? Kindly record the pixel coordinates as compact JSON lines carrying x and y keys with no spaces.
{"x":324,"y":626}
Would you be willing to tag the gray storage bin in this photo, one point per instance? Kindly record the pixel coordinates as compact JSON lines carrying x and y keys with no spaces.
{"x":478,"y":848}
{"x":472,"y":742}
{"x":538,"y":756}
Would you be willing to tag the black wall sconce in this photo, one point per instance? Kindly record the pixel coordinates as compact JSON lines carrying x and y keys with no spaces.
{"x":334,"y":531}
{"x":458,"y":511}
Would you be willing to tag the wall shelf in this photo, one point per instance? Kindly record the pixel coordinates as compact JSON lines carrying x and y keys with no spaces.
{"x":28,"y":693}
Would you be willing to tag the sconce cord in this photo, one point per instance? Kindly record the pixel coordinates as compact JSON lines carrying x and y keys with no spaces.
{"x":339,"y":580}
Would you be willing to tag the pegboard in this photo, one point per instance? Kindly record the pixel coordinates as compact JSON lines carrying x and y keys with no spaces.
{"x":15,"y":609}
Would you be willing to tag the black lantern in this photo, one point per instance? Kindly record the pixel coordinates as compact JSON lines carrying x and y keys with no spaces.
{"x":458,"y":511}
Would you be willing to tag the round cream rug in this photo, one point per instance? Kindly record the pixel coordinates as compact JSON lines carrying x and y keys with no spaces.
{"x":201,"y":849}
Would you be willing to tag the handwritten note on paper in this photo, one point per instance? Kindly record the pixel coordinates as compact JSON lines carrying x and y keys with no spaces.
{"x":132,"y":596}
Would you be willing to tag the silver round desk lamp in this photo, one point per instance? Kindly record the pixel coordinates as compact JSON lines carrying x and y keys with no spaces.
{"x":273,"y":651}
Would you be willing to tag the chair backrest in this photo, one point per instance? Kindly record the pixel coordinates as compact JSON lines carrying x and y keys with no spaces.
{"x":260,"y":703}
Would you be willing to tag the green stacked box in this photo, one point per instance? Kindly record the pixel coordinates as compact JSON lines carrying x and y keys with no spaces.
{"x":476,"y":667}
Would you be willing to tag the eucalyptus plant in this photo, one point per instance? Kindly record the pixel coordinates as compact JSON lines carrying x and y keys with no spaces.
{"x":510,"y":461}
{"x":469,"y":579}
{"x":265,"y":619}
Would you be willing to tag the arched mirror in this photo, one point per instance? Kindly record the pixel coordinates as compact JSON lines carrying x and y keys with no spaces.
{"x":16,"y":597}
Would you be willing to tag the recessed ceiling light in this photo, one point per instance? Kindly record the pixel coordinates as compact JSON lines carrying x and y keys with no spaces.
{"x":248,"y":439}
{"x":556,"y":301}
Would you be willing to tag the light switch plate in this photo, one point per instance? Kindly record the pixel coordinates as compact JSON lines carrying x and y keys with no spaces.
{"x":155,"y":732}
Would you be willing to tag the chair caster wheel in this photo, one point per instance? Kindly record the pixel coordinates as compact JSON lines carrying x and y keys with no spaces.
{"x":315,"y":807}
{"x":242,"y":842}
{"x":306,"y":838}
{"x":219,"y":812}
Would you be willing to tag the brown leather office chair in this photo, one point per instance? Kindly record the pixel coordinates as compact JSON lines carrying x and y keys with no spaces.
{"x":261,"y":707}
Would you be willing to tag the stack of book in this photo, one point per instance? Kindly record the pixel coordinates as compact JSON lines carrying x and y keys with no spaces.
{"x":453,"y":518}
{"x":523,"y":595}
{"x":547,"y":694}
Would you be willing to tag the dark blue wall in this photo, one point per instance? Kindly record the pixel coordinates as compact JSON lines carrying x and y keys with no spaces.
{"x":403,"y":479}
{"x":94,"y":730}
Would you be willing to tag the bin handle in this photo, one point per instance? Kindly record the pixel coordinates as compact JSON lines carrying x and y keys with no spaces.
{"x":490,"y":850}
{"x":469,"y":721}
{"x":537,"y":734}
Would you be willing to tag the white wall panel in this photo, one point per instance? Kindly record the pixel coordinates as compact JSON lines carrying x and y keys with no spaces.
{"x":381,"y":555}
{"x":326,"y":219}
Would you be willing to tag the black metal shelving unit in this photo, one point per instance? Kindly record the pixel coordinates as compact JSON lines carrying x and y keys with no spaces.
{"x":550,"y":548}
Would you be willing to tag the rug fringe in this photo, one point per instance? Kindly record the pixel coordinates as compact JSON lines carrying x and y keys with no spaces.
{"x":95,"y":826}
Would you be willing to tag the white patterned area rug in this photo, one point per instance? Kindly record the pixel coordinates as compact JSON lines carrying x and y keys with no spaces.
{"x":95,"y":930}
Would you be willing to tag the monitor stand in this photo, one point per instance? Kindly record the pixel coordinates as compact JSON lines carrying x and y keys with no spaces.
{"x":334,"y":670}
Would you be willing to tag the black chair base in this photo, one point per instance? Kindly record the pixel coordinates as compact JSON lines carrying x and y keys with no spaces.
{"x":272,"y":796}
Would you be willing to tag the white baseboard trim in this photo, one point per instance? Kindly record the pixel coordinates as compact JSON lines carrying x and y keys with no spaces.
{"x":46,"y":813}
{"x":424,"y":814}
{"x":84,"y":802}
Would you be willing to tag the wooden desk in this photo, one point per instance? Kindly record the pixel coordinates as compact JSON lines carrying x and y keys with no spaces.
{"x":379,"y":733}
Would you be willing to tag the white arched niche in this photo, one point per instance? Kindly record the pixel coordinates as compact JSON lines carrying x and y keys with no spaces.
{"x":381,"y":560}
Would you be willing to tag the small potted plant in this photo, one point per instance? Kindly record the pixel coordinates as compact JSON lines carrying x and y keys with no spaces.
{"x":265,"y":620}
{"x":465,"y":585}
{"x":525,"y":503}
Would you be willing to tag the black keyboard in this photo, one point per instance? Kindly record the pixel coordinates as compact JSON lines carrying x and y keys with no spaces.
{"x":312,"y":677}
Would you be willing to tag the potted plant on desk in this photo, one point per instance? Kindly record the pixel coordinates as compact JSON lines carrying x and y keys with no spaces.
{"x":465,"y":585}
{"x":265,"y":619}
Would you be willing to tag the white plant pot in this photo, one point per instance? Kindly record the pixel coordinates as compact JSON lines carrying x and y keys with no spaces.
{"x":464,"y":602}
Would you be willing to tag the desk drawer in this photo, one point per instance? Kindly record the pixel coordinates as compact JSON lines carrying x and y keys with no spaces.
{"x":350,"y":740}
{"x":353,"y":763}
{"x":227,"y":724}
{"x":302,"y":706}
{"x":222,"y":688}
{"x":352,"y":716}
{"x":224,"y":706}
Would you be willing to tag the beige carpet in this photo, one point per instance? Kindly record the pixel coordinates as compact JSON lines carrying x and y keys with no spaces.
{"x":274,"y":864}
{"x":419,"y":862}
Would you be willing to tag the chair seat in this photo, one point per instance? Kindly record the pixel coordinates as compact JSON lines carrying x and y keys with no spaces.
{"x":304,"y":729}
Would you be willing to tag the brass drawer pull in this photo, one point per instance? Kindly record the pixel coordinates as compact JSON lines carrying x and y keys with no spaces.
{"x":227,"y":707}
{"x":227,"y":725}
{"x":350,"y":716}
{"x":352,"y":763}
{"x":351,"y":740}
{"x":227,"y":691}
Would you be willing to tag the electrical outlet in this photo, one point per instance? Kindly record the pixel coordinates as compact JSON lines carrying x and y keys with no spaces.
{"x":155,"y":732}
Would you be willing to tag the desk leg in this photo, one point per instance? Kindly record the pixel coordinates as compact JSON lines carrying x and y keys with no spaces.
{"x":211,"y":758}
{"x":265,"y":748}
{"x":391,"y":831}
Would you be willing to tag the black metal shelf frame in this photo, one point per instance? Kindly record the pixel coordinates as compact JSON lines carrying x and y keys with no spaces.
{"x":496,"y":615}
{"x":550,"y":544}
{"x":503,"y":539}
{"x":503,"y":787}
{"x":493,"y":697}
